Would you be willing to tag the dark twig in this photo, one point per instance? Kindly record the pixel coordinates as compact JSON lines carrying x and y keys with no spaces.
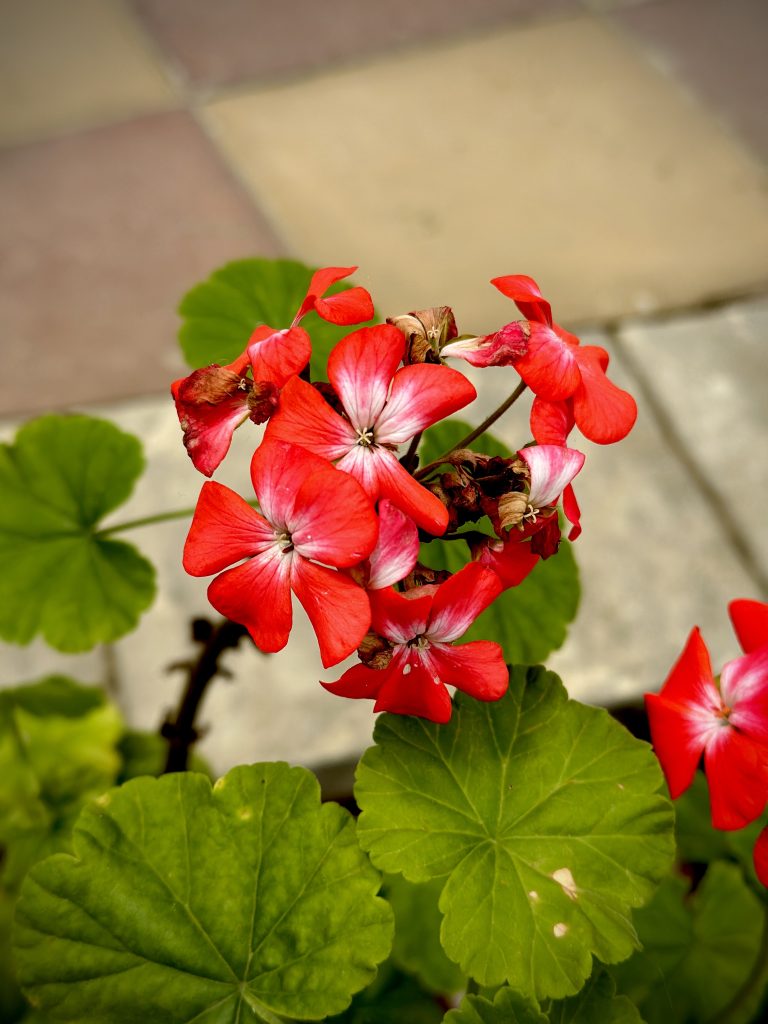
{"x":180,"y":729}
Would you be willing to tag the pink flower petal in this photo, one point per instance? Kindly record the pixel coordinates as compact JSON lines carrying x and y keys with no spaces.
{"x":337,"y":608}
{"x":276,"y":356}
{"x":334,"y":520}
{"x":305,"y":418}
{"x":603,"y":412}
{"x":361,"y":368}
{"x":526,"y":295}
{"x":411,"y":689}
{"x":460,"y":600}
{"x":257,"y":594}
{"x":421,"y":395}
{"x":744,"y":689}
{"x":401,"y":617}
{"x":397,"y":548}
{"x":502,"y":348}
{"x":549,"y":366}
{"x":551,"y":422}
{"x":477,"y":668}
{"x":750,"y":621}
{"x":552,"y":468}
{"x":224,"y":529}
{"x":737,"y":775}
{"x":407,"y":494}
{"x":278,"y":470}
{"x":760,"y":857}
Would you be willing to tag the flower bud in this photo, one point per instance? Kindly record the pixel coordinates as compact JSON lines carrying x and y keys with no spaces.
{"x":426,"y":331}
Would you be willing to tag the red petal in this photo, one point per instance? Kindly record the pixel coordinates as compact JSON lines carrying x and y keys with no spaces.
{"x":210,"y":404}
{"x":603,"y":412}
{"x":690,"y":682}
{"x":353,"y":306}
{"x":276,"y":356}
{"x":677,"y":747}
{"x":407,"y":494}
{"x":319,"y":284}
{"x":460,"y":600}
{"x":737,"y":773}
{"x":278,"y":470}
{"x":257,"y":594}
{"x":551,"y":422}
{"x":397,"y":548}
{"x":477,"y":668}
{"x":224,"y":529}
{"x":760,"y":857}
{"x":421,"y":395}
{"x":410,"y":689}
{"x":334,"y":519}
{"x":337,"y":608}
{"x":750,"y":621}
{"x":305,"y":418}
{"x":744,"y":689}
{"x":572,"y":512}
{"x":361,"y":368}
{"x":526,"y":295}
{"x":358,"y":682}
{"x":549,"y":367}
{"x":401,"y":617}
{"x":511,"y":560}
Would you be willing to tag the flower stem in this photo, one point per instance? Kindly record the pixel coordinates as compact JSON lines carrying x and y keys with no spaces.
{"x":473,"y":434}
{"x":160,"y":517}
{"x":180,"y":729}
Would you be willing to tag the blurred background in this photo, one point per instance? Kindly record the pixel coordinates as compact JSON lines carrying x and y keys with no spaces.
{"x":613,"y":150}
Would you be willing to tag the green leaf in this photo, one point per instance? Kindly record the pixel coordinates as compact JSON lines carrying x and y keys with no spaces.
{"x":545,"y":817}
{"x":182,"y":901}
{"x":698,"y":950}
{"x":50,"y":764}
{"x":12,"y":1002}
{"x":417,"y":948}
{"x":508,"y":1007}
{"x":391,"y":996}
{"x":531,"y":620}
{"x":221,"y":313}
{"x":597,"y":1003}
{"x":59,"y":478}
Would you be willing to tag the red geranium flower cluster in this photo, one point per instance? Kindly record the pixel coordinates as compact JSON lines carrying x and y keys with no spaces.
{"x":342,"y":507}
{"x":727,"y":723}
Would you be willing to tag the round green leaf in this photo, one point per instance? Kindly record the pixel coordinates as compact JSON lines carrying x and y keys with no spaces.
{"x":221,"y":313}
{"x":182,"y":901}
{"x":597,"y":1003}
{"x":508,"y":1007}
{"x":698,"y":951}
{"x":60,"y":578}
{"x":546,"y":817}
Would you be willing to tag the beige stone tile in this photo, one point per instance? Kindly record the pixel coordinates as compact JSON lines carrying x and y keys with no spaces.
{"x":70,"y":64}
{"x":552,"y":149}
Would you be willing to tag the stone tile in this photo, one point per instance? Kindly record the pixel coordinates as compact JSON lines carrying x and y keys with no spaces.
{"x":67,"y":66}
{"x":709,"y":372}
{"x":102,"y":235}
{"x":653,"y":558}
{"x":716,"y":48}
{"x":440,"y":169}
{"x":238,"y":40}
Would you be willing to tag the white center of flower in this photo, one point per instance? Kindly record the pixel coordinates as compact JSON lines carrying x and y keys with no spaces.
{"x":365,"y":436}
{"x":420,"y":642}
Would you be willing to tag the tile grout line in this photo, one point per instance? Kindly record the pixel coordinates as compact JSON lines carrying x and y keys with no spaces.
{"x":734,"y":535}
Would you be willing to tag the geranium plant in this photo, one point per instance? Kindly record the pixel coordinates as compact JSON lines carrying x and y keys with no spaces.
{"x":511,"y":855}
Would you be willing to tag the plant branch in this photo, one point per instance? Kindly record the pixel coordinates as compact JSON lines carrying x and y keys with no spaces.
{"x":159,"y":517}
{"x":180,"y":729}
{"x":473,"y":434}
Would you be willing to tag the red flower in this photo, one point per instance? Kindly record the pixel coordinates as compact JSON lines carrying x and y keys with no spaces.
{"x":557,"y":368}
{"x":419,"y":628}
{"x":691,"y":716}
{"x":384,"y":408}
{"x":750,"y":623}
{"x":311,"y":513}
{"x":212,"y":402}
{"x":396,"y":551}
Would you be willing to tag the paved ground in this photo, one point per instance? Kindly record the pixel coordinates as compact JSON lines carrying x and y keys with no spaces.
{"x":613,"y":150}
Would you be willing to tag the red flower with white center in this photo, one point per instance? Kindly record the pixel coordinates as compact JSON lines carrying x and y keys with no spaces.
{"x":310,"y":514}
{"x":557,"y":368}
{"x":691,"y":716}
{"x":384,"y":408}
{"x":214,"y":401}
{"x":419,"y":628}
{"x":396,"y":551}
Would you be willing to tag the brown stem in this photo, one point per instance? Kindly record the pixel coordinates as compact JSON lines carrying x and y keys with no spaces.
{"x":473,"y":434}
{"x":180,"y":729}
{"x":409,"y":459}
